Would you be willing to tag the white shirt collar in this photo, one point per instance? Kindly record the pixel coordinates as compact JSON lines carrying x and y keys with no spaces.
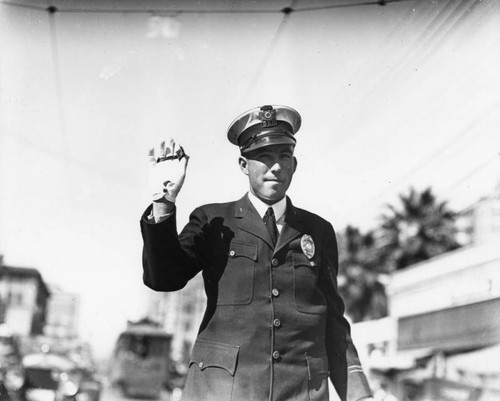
{"x":279,"y":208}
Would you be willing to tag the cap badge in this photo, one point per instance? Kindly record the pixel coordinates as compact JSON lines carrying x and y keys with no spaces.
{"x":268,"y":116}
{"x":307,"y":245}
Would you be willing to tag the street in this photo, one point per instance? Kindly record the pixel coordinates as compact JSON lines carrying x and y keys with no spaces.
{"x":112,"y":394}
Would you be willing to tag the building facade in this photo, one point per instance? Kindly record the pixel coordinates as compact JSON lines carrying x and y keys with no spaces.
{"x":63,"y":312}
{"x":441,"y":340}
{"x":23,"y":300}
{"x":180,"y":314}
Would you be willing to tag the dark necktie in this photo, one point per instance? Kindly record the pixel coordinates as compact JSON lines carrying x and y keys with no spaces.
{"x":270,"y":222}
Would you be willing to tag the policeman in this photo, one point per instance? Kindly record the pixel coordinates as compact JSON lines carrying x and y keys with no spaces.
{"x":273,"y":328}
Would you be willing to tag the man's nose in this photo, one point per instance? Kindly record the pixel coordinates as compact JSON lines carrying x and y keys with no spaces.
{"x":276,"y":165}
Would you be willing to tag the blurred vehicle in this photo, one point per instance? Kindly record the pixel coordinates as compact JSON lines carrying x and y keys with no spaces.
{"x":177,"y":377}
{"x":11,"y":372}
{"x":52,"y":377}
{"x":141,"y":364}
{"x":11,"y":383}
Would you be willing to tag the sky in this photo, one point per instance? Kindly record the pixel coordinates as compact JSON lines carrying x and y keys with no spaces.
{"x":406,"y":94}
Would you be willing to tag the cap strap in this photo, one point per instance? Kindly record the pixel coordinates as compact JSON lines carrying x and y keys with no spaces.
{"x":266,"y":134}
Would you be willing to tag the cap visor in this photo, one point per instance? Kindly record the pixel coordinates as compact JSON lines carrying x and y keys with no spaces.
{"x":270,"y":141}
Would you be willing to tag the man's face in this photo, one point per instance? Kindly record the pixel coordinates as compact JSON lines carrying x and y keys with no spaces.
{"x":270,"y":170}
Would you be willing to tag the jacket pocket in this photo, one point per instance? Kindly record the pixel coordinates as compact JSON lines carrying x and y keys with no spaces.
{"x":236,"y":283}
{"x":317,"y":370}
{"x":211,"y":372}
{"x":308,"y":296}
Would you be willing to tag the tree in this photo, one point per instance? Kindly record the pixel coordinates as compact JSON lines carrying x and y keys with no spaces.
{"x":359,"y":276}
{"x":421,"y":228}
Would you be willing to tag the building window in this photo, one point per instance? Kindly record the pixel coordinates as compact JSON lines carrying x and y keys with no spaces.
{"x":15,"y":298}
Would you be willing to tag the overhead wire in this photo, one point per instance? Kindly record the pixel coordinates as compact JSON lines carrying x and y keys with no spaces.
{"x":120,"y":179}
{"x":287,"y":11}
{"x":270,"y":49}
{"x":462,"y":10}
{"x":149,"y":10}
{"x":21,"y":5}
{"x":350,"y":5}
{"x":384,"y":48}
{"x":378,"y":78}
{"x":435,"y":155}
{"x":477,"y":169}
{"x":60,"y":106}
{"x":396,"y":75}
{"x":393,"y":75}
{"x":58,"y":83}
{"x":64,"y":155}
{"x":473,"y":172}
{"x":428,"y":43}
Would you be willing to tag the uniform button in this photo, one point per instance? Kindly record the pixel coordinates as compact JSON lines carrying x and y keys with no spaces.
{"x":200,"y":365}
{"x":276,"y":323}
{"x":275,"y":292}
{"x":276,"y":355}
{"x":232,"y":253}
{"x":274,"y":262}
{"x":313,"y":264}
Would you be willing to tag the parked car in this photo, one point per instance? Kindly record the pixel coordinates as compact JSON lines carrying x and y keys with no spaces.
{"x":52,"y":377}
{"x":11,"y":373}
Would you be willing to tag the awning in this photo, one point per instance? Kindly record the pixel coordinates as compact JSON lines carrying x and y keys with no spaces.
{"x":483,"y":361}
{"x":400,"y":361}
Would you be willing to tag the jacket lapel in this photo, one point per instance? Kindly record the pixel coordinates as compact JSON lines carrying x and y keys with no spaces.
{"x":250,"y":221}
{"x":292,"y":228}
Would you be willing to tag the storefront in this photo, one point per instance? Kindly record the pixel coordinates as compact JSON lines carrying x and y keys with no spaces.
{"x":452,"y":329}
{"x":446,"y":345}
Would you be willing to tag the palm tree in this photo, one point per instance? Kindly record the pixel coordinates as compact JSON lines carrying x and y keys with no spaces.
{"x":359,"y":276}
{"x":419,"y":229}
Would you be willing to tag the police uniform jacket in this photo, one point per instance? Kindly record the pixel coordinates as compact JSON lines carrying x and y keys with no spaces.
{"x":274,"y":327}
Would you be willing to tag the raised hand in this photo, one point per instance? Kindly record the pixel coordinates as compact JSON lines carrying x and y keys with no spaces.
{"x":168,"y":165}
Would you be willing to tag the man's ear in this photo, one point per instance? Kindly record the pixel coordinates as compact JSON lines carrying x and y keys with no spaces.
{"x":294,"y":164}
{"x":243,"y":162}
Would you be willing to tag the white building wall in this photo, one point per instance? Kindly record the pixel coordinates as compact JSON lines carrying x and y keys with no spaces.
{"x":21,"y":304}
{"x":19,"y":321}
{"x":379,"y":336}
{"x":62,"y":314}
{"x":486,"y":222}
{"x":453,"y":279}
{"x":180,"y":314}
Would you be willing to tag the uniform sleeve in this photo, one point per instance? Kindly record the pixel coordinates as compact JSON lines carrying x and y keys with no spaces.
{"x":346,"y":372}
{"x":170,"y":260}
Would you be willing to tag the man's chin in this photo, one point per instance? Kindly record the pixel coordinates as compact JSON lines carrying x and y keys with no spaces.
{"x":271,"y":198}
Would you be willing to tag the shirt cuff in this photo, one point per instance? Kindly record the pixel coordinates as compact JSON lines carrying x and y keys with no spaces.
{"x":158,"y":219}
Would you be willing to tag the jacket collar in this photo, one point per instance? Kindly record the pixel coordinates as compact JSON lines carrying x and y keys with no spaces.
{"x":250,"y":221}
{"x":293,"y":227}
{"x":279,"y":207}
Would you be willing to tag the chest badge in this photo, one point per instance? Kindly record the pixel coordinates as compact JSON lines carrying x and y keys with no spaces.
{"x":307,"y":245}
